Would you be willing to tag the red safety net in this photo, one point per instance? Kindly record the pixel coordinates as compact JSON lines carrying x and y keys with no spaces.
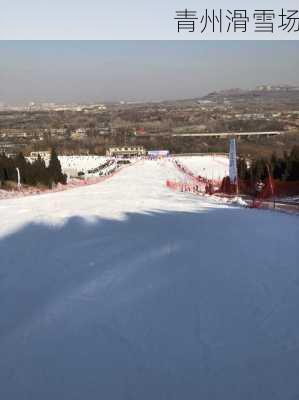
{"x":196,"y":184}
{"x":258,"y":192}
{"x":191,"y":187}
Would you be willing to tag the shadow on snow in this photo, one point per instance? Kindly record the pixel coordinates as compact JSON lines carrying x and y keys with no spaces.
{"x":156,"y":306}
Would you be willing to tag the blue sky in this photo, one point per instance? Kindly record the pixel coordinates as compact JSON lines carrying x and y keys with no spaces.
{"x":87,"y":71}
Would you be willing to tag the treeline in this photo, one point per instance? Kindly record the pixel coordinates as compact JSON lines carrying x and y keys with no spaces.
{"x":32,"y":174}
{"x":285,"y":168}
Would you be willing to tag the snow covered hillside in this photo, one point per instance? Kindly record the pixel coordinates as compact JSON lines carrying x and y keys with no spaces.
{"x":210,"y":167}
{"x":80,"y":163}
{"x":127,"y":290}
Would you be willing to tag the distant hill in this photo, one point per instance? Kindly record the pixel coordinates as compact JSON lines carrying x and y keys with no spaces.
{"x":274,"y":95}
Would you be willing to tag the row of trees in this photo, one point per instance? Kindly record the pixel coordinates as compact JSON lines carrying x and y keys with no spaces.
{"x":35,"y":173}
{"x":285,"y":168}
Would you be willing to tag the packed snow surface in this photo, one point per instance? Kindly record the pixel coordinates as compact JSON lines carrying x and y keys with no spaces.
{"x":128,"y":290}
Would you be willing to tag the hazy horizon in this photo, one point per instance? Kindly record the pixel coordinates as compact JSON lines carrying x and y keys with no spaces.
{"x":108,"y":71}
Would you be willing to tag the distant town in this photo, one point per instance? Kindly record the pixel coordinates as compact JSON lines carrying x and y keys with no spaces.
{"x":263,"y":119}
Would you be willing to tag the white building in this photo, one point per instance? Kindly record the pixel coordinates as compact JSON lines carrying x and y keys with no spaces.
{"x":126,"y":151}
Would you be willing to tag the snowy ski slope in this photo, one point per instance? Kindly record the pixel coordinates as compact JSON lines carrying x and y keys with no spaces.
{"x":210,"y":167}
{"x":127,"y":290}
{"x":80,"y":163}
